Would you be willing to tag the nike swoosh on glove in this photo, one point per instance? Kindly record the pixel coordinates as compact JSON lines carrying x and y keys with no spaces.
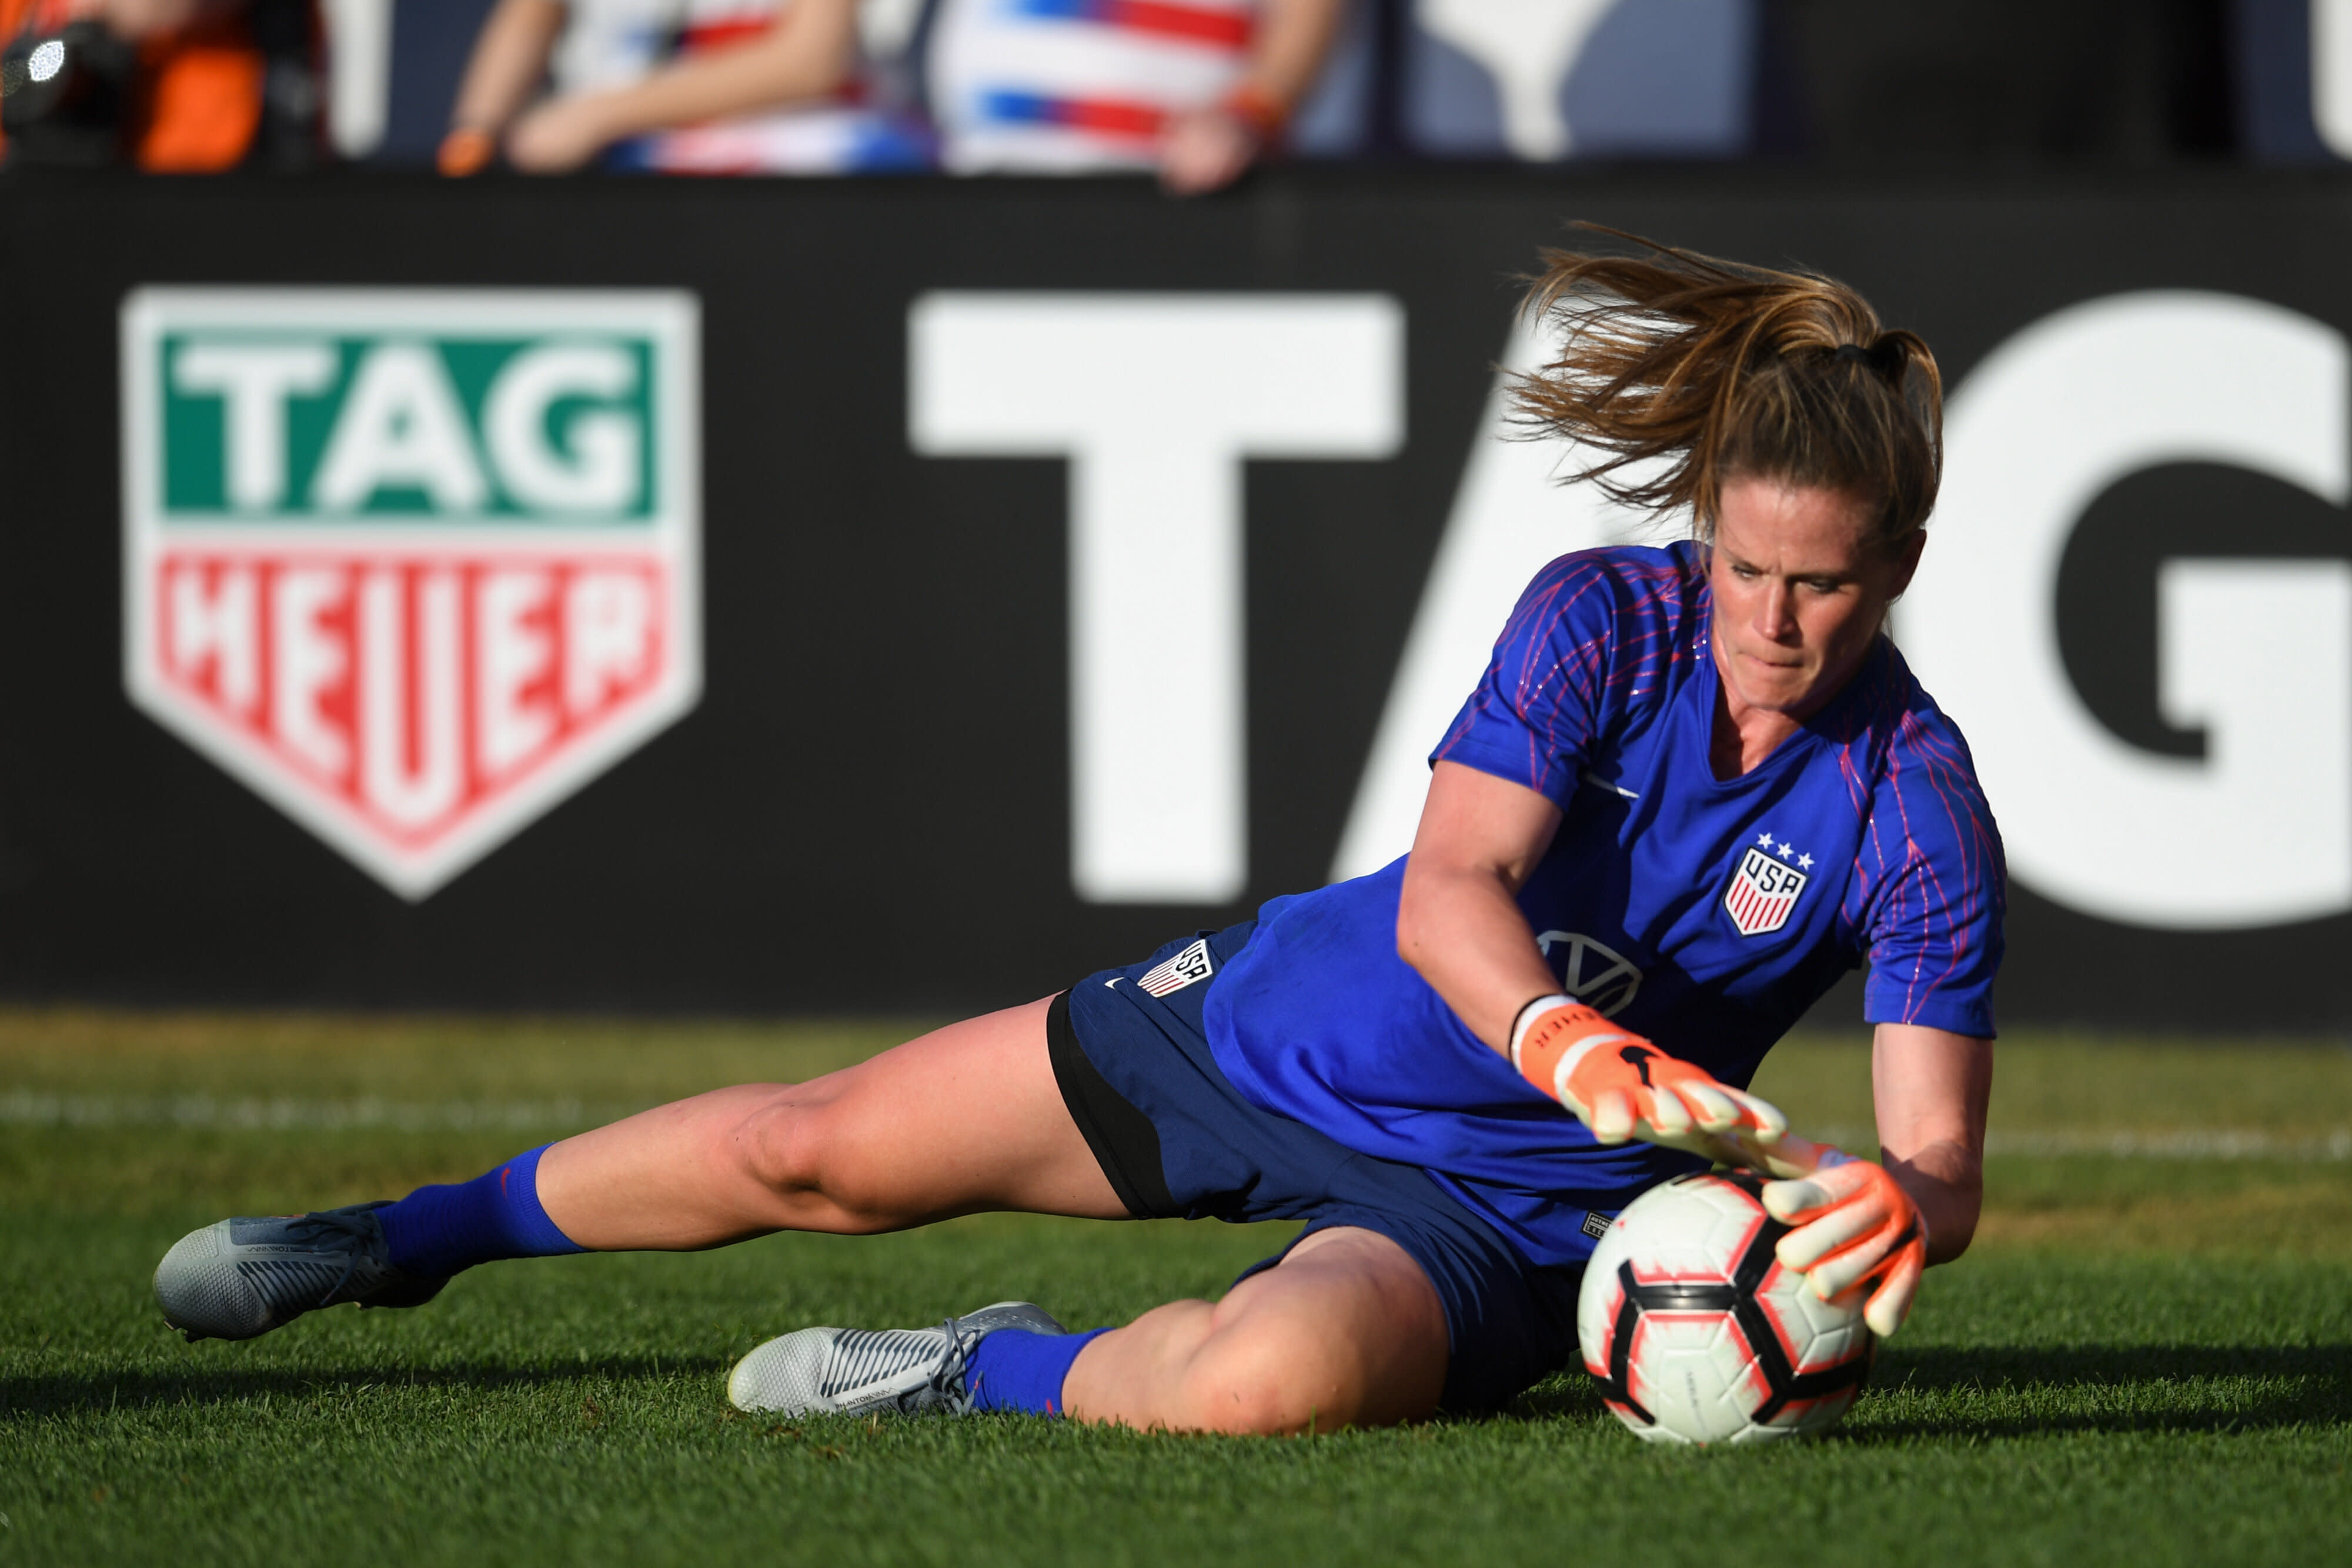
{"x":1854,"y":1226}
{"x":1623,"y":1087}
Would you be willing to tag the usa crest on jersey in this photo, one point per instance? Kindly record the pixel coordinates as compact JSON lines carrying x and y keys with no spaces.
{"x":1762,"y":893}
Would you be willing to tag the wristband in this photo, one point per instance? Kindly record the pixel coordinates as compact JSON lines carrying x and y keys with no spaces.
{"x":1535,"y":1009}
{"x":1256,"y":108}
{"x":467,"y":149}
{"x":1555,"y":1042}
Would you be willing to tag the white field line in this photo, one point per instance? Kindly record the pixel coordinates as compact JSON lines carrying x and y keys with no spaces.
{"x":32,"y":1108}
{"x":2180,"y":1144}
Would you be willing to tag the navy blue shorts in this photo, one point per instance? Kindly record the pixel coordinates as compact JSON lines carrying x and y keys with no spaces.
{"x":1177,"y":1139}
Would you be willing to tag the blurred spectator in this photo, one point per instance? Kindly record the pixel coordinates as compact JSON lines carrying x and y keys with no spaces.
{"x":683,"y":86}
{"x":1343,"y":114}
{"x":1196,"y":88}
{"x":171,"y":85}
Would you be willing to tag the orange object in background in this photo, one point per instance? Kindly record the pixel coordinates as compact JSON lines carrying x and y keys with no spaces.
{"x":16,"y":14}
{"x":199,"y":91}
{"x":204,"y":100}
{"x":466,"y":151}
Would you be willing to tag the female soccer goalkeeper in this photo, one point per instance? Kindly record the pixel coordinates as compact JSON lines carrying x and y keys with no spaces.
{"x":1700,"y":774}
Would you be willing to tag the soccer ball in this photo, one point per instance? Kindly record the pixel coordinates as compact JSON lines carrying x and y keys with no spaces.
{"x":1696,"y":1334}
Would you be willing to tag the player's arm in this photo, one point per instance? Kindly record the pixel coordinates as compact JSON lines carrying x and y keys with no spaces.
{"x":805,"y":54}
{"x":509,"y":59}
{"x":1210,"y":147}
{"x":1458,"y":924}
{"x":1932,"y":1089}
{"x":1878,"y":1226}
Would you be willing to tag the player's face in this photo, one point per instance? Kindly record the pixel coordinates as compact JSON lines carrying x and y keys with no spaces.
{"x":1799,"y":591}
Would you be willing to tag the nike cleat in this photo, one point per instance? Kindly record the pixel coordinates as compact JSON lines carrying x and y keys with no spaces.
{"x":912,"y":1371}
{"x":241,"y":1278}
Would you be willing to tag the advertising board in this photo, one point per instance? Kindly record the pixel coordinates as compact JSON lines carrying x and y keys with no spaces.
{"x":761,"y":596}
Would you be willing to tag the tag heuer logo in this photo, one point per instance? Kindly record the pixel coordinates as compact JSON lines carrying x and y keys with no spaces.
{"x":414,"y":564}
{"x":1762,"y":893}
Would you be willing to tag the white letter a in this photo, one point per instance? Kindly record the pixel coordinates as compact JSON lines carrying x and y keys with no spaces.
{"x":401,"y":427}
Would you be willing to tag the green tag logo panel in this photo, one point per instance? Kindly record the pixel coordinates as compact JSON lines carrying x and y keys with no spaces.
{"x":295,"y":426}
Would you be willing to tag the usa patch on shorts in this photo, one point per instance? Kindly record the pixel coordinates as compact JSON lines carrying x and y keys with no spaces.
{"x":1175,"y":973}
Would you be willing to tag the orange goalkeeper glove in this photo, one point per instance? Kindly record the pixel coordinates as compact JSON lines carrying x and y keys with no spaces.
{"x":1622,"y":1086}
{"x":1854,"y":1225}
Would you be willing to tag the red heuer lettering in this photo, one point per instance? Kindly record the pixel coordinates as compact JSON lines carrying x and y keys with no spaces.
{"x":413,"y":690}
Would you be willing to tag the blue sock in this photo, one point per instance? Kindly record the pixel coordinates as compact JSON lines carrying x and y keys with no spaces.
{"x":437,"y":1231}
{"x":1014,"y":1369}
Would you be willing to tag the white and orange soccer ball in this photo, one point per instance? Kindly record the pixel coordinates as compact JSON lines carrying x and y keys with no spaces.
{"x":1697,"y":1334}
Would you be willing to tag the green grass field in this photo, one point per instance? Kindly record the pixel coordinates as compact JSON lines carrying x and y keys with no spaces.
{"x":2147,"y":1359}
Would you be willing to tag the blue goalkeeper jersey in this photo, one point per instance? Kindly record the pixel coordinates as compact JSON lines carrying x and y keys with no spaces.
{"x":1704,"y":914}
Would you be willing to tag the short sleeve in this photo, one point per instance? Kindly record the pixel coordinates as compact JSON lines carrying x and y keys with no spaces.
{"x":1932,"y":921}
{"x":1537,"y":711}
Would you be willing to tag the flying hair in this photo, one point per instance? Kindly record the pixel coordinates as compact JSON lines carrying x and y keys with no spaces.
{"x":1680,"y":372}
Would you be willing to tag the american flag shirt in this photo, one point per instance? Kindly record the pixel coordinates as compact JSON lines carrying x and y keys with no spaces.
{"x":1068,"y":86}
{"x":608,"y":43}
{"x":1706,"y":914}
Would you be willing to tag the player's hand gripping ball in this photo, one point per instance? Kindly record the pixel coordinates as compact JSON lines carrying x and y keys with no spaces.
{"x":1698,"y":1333}
{"x":1623,"y":1087}
{"x":1852,"y":1225}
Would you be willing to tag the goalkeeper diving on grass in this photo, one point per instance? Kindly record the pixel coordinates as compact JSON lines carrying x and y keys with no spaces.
{"x":1696,"y":784}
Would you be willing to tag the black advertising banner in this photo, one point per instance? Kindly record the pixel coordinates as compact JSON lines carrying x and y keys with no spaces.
{"x":761,"y":596}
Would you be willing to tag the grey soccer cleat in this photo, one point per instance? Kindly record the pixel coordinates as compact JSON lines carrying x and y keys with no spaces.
{"x":910,"y":1371}
{"x":241,"y":1278}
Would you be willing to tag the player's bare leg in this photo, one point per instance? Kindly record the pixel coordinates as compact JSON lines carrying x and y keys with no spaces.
{"x":1345,"y":1331}
{"x":965,"y":1119}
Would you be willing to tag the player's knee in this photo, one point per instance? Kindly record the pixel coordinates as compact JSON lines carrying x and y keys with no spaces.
{"x":794,"y":1148}
{"x":818,"y":1156}
{"x":772,"y":1145}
